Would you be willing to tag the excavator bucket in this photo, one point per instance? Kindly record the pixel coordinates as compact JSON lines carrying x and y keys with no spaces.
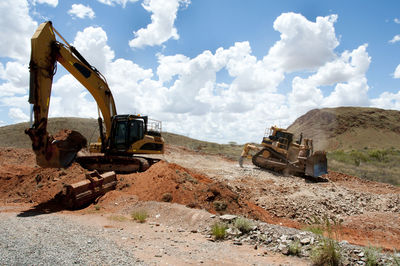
{"x":58,"y":151}
{"x":316,"y":164}
{"x":83,"y":192}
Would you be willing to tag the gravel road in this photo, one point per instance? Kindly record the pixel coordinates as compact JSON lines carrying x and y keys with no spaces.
{"x":55,"y":240}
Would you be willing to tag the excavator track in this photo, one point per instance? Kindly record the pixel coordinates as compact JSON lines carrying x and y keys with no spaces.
{"x":275,"y":162}
{"x":118,"y":164}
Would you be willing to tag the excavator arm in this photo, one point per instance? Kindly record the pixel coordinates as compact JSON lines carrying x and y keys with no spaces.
{"x":46,"y":52}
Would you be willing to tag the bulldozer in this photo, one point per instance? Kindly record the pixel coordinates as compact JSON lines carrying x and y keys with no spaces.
{"x":279,"y":152}
{"x":122,"y":137}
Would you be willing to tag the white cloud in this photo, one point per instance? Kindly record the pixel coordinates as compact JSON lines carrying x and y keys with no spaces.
{"x":304,"y":44}
{"x":347,"y":73}
{"x":18,"y":115}
{"x":396,"y":74}
{"x":396,"y":20}
{"x":387,"y":100}
{"x":161,"y":28}
{"x":81,"y":11}
{"x":395,"y":39}
{"x":17,"y":27}
{"x":92,"y":44}
{"x":52,"y":3}
{"x":118,"y":2}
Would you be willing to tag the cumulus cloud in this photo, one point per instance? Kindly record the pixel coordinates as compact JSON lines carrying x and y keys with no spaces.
{"x":17,"y":28}
{"x":396,"y":74}
{"x":81,"y":11}
{"x":161,"y":28}
{"x":346,"y":73}
{"x":304,"y":44}
{"x":118,"y":2}
{"x":387,"y":100}
{"x":18,"y":115}
{"x":396,"y":20}
{"x":92,"y":44}
{"x":52,"y":3}
{"x":395,"y":39}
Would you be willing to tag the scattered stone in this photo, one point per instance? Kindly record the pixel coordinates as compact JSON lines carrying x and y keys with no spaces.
{"x":228,"y":217}
{"x":238,"y":243}
{"x":305,"y":241}
{"x":233,"y":231}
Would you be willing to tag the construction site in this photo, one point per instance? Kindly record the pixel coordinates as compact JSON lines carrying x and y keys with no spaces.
{"x":320,"y":182}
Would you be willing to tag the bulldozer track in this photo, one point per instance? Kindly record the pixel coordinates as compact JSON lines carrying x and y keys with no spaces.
{"x":270,"y":164}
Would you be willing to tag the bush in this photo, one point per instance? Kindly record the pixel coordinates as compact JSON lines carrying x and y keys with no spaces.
{"x":218,"y":230}
{"x":328,"y":253}
{"x":244,"y":225}
{"x":295,"y":248}
{"x":139,"y":216}
{"x":371,"y":256}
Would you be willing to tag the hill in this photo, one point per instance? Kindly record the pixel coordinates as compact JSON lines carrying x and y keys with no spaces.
{"x":348,"y":128}
{"x":14,"y":136}
{"x":364,"y":142}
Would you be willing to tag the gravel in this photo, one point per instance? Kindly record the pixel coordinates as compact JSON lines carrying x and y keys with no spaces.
{"x":54,"y":240}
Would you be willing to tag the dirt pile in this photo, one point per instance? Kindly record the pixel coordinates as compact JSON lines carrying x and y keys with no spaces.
{"x":170,"y":182}
{"x":22,"y":181}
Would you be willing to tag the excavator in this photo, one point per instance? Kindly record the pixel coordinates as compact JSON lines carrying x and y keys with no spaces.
{"x":121,"y":139}
{"x":279,"y":152}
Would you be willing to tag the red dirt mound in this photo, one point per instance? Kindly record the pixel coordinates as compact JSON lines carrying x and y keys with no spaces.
{"x":22,"y":181}
{"x":172,"y":183}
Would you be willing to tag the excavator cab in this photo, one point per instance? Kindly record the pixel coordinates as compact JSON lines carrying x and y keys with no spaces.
{"x":126,"y":130}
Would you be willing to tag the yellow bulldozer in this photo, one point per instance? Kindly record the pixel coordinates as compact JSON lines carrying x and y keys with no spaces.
{"x":279,"y":152}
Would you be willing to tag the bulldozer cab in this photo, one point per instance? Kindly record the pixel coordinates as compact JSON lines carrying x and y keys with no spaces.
{"x":279,"y":137}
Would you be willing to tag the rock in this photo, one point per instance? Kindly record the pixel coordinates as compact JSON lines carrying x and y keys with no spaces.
{"x":305,"y":241}
{"x":228,"y":217}
{"x":238,"y":243}
{"x":361,"y":254}
{"x":233,"y":231}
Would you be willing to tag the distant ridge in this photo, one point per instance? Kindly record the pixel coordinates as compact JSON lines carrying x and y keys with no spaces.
{"x":350,"y":128}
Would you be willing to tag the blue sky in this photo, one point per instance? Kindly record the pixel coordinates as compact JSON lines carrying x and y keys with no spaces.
{"x":218,"y":70}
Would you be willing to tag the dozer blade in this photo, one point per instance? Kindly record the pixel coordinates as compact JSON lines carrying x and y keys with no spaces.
{"x":81,"y":193}
{"x":58,"y":151}
{"x":316,"y":164}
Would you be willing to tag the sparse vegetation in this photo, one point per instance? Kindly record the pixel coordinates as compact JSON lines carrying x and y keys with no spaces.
{"x":244,"y":225}
{"x":371,"y":255}
{"x":118,"y":218}
{"x":218,"y":230}
{"x":295,"y":248}
{"x":167,"y":197}
{"x":140,"y":216}
{"x":327,"y":252}
{"x":97,"y":207}
{"x":372,"y":164}
{"x":220,"y":205}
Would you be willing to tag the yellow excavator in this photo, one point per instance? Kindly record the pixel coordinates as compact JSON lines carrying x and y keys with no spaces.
{"x":121,"y":139}
{"x":279,"y":152}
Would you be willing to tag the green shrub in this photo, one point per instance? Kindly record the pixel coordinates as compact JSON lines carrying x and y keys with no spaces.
{"x":295,"y":248}
{"x":243,"y":224}
{"x":327,"y":253}
{"x":371,"y":256}
{"x":318,"y":230}
{"x":218,"y":230}
{"x":140,"y":216}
